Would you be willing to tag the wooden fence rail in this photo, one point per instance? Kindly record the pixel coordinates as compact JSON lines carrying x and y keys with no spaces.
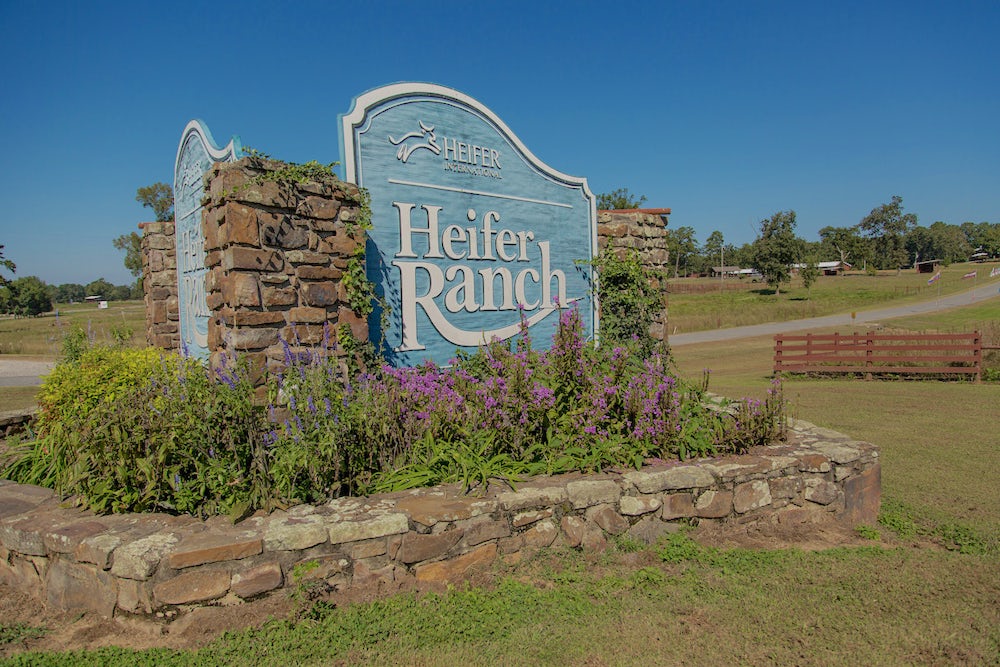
{"x":958,"y":354}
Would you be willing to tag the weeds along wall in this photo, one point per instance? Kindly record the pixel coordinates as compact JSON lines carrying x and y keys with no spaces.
{"x":643,"y":231}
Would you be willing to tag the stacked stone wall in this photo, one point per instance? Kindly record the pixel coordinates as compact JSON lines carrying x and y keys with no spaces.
{"x":643,"y":231}
{"x":276,"y":253}
{"x":425,"y":538}
{"x":159,"y":281}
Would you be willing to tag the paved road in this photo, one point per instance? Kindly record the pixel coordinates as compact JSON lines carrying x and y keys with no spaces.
{"x":989,"y":291}
{"x":22,"y":373}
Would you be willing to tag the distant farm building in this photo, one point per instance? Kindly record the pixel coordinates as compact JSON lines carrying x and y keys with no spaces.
{"x":927,"y":266}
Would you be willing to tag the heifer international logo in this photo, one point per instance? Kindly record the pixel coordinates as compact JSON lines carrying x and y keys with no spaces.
{"x":471,"y":232}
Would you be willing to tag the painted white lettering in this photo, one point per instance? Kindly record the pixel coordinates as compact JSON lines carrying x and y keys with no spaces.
{"x":406,"y":230}
{"x":489,"y":286}
{"x":505,"y":238}
{"x":453,"y":234}
{"x":463,"y":295}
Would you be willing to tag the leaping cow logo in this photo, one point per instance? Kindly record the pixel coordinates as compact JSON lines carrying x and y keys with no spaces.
{"x":405,"y":149}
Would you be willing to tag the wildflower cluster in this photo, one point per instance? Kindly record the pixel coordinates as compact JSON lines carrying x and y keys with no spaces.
{"x":507,"y":411}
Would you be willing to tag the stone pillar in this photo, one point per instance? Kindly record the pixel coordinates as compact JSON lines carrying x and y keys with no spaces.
{"x":159,"y":282}
{"x":276,"y":251}
{"x":645,"y":231}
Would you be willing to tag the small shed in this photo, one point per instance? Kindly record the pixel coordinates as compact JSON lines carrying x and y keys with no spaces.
{"x":927,"y":266}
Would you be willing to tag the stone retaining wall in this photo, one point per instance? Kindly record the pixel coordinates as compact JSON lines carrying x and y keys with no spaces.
{"x":113,"y":564}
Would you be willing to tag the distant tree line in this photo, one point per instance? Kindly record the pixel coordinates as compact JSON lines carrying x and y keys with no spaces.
{"x":886,"y":238}
{"x":30,"y":296}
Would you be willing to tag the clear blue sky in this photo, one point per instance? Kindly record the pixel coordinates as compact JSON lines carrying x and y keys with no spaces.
{"x":725,"y":112}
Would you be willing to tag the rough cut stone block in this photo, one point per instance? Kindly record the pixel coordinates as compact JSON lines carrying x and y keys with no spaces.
{"x":307,"y":257}
{"x":680,"y":477}
{"x":255,"y":581}
{"x":252,"y":339}
{"x":751,"y":496}
{"x":241,"y":224}
{"x":369,"y":548}
{"x":307,"y":272}
{"x":75,"y":586}
{"x":527,"y":497}
{"x":459,"y":568}
{"x":586,"y":493}
{"x":212,"y":548}
{"x":295,"y":533}
{"x":23,"y":536}
{"x":608,"y":519}
{"x":65,"y":539}
{"x":318,"y":207}
{"x":637,"y":505}
{"x":542,"y":534}
{"x":484,"y":531}
{"x":416,"y":548}
{"x":574,"y":528}
{"x":785,"y":487}
{"x":821,"y":491}
{"x":193,"y":586}
{"x":522,"y":519}
{"x":319,"y":294}
{"x":839,"y":453}
{"x":713,"y":504}
{"x":863,"y":495}
{"x":677,"y":506}
{"x":814,"y":463}
{"x":649,"y":529}
{"x":353,"y":531}
{"x":139,"y":559}
{"x":279,"y":296}
{"x":429,"y":510}
{"x":98,"y":549}
{"x":135,"y":597}
{"x":319,"y":567}
{"x":250,"y":259}
{"x":306,"y":315}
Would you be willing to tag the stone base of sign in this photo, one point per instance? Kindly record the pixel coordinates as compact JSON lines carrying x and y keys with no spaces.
{"x":645,"y":232}
{"x":159,"y":281}
{"x":426,"y":538}
{"x":277,"y":253}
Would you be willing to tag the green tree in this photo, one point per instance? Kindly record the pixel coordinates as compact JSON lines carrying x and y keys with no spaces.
{"x":776,"y":248}
{"x":619,"y":199}
{"x":714,"y":249}
{"x":886,"y":226}
{"x":842,"y":243}
{"x":100,"y":287}
{"x":27,"y":297}
{"x":6,"y":264}
{"x":160,"y":198}
{"x":809,"y":274}
{"x":131,"y":244}
{"x":682,"y":244}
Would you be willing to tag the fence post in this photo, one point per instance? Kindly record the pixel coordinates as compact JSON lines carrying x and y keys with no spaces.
{"x":977,"y":354}
{"x":869,"y":353}
{"x":777,"y":354}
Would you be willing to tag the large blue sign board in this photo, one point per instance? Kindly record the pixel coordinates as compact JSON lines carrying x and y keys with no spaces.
{"x":470,"y":230}
{"x":195,"y":154}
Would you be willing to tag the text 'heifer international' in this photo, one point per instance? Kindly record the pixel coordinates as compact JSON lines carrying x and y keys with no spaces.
{"x":470,"y":231}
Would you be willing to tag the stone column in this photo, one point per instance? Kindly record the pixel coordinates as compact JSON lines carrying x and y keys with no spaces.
{"x":645,"y":231}
{"x":277,"y":251}
{"x":159,"y":282}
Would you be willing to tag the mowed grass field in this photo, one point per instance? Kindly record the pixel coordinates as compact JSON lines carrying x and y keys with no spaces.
{"x":698,"y":304}
{"x":923,"y":589}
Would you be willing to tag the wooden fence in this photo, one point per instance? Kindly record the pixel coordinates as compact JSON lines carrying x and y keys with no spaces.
{"x":871,"y":354}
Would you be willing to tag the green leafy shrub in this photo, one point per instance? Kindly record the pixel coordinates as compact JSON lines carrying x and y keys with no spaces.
{"x":141,"y":430}
{"x":628,"y":300}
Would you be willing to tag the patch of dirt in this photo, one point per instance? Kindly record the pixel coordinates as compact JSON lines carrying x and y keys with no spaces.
{"x":805,"y":536}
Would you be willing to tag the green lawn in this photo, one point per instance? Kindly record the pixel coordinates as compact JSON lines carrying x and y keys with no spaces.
{"x":712,"y":307}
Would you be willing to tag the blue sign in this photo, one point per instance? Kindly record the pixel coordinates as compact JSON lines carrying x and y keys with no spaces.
{"x":470,"y":231}
{"x":195,"y":154}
